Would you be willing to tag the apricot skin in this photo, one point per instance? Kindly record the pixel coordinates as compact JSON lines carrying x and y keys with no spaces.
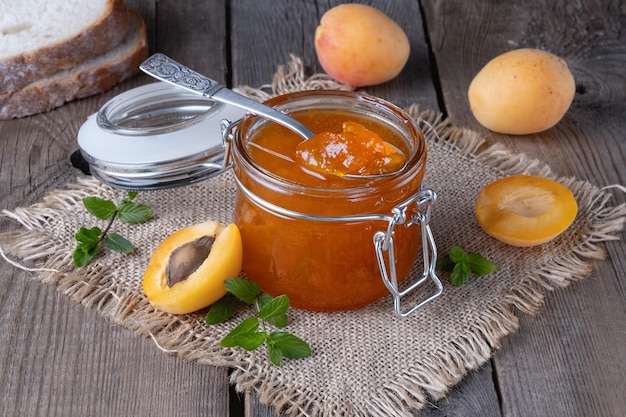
{"x":359,"y":45}
{"x":204,"y":286}
{"x":524,"y":210}
{"x":521,"y":92}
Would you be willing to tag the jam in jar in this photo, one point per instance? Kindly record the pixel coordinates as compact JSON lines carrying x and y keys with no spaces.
{"x":313,"y":236}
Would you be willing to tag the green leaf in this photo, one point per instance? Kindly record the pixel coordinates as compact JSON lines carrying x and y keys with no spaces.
{"x":89,"y":236}
{"x":118,"y":243}
{"x":244,"y":289}
{"x":132,"y":195}
{"x":84,"y":253}
{"x":275,"y":354}
{"x":275,"y":307}
{"x":445,"y":264}
{"x":101,"y":208}
{"x":249,"y":325}
{"x":134,"y":213}
{"x":480,"y":265}
{"x":263,"y":299}
{"x":274,"y":311}
{"x":250,"y":341}
{"x":291,"y":346}
{"x":460,"y":274}
{"x":279,"y":321}
{"x":458,"y":255}
{"x":221,"y":310}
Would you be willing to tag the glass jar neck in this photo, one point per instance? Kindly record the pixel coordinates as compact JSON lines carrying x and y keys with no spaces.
{"x":363,"y":195}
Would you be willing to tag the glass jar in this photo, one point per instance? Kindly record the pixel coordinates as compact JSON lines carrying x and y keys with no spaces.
{"x":155,"y":136}
{"x":340,"y":244}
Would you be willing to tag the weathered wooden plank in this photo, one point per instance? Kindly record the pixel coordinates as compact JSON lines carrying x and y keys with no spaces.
{"x":264,"y":37}
{"x":589,"y":36}
{"x":569,"y":360}
{"x":60,"y":359}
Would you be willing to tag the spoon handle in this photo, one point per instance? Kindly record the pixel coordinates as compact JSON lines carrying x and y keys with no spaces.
{"x":164,"y":68}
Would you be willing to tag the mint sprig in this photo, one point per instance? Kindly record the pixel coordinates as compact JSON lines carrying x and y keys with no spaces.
{"x":89,"y":240}
{"x":461,"y":264}
{"x":252,"y":332}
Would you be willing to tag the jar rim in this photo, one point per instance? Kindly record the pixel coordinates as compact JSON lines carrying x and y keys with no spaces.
{"x":352,"y":102}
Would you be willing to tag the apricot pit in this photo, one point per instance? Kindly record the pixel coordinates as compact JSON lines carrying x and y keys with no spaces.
{"x":524,"y":210}
{"x":187,"y":270}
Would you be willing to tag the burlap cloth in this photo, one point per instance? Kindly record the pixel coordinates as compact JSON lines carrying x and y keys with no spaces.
{"x":365,"y":362}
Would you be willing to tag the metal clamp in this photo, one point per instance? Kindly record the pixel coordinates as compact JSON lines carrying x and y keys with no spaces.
{"x":383,"y":242}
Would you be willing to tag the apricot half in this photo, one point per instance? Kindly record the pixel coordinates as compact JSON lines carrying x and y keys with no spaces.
{"x":523,"y":210}
{"x":187,"y":270}
{"x":359,"y":45}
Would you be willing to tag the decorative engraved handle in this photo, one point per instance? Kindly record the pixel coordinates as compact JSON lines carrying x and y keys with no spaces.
{"x":166,"y":69}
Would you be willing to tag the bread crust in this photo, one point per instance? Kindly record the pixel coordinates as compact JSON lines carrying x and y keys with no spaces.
{"x":48,"y":93}
{"x":102,"y":35}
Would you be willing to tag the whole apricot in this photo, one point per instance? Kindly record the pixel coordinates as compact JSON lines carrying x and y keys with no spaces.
{"x":524,"y":210}
{"x":359,"y":45}
{"x":187,"y":270}
{"x":521,"y":92}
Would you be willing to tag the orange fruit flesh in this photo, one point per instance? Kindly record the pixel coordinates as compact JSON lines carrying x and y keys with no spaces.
{"x":356,"y":151}
{"x":523,"y":210}
{"x":206,"y":284}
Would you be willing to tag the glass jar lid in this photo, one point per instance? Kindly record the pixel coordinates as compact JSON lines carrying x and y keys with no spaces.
{"x":155,"y":136}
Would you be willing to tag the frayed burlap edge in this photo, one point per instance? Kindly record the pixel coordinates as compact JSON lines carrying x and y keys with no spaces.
{"x":416,"y":386}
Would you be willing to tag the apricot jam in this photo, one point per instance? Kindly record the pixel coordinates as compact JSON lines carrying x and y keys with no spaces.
{"x":310,"y":235}
{"x":355,"y":150}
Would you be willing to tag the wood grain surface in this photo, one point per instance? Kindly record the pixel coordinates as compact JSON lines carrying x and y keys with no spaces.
{"x":62,"y":359}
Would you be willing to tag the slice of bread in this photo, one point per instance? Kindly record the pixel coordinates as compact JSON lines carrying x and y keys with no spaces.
{"x":40,"y":38}
{"x":90,"y":77}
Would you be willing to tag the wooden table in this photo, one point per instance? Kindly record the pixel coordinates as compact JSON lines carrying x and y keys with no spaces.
{"x":60,"y":359}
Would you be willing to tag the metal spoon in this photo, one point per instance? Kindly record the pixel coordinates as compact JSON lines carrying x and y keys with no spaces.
{"x":166,"y":69}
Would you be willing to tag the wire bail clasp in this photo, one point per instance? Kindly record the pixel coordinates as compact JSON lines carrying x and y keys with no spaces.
{"x":383,"y":242}
{"x":226,"y":128}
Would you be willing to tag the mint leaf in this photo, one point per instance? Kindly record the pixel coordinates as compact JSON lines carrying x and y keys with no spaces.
{"x":84,"y":253}
{"x":249,"y":341}
{"x":275,"y":306}
{"x":460,"y":274}
{"x":461,"y":264}
{"x":249,"y":325}
{"x":132,"y":195}
{"x":246,"y":335}
{"x":263,"y":299}
{"x":89,"y":236}
{"x":118,"y":243}
{"x":275,"y":354}
{"x":279,"y":320}
{"x":244,"y":289}
{"x":134,"y":213}
{"x":445,"y":264}
{"x":458,"y":255}
{"x":291,"y":346}
{"x":479,"y":265}
{"x":127,"y":211}
{"x":221,"y":310}
{"x":102,"y":209}
{"x":274,"y":311}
